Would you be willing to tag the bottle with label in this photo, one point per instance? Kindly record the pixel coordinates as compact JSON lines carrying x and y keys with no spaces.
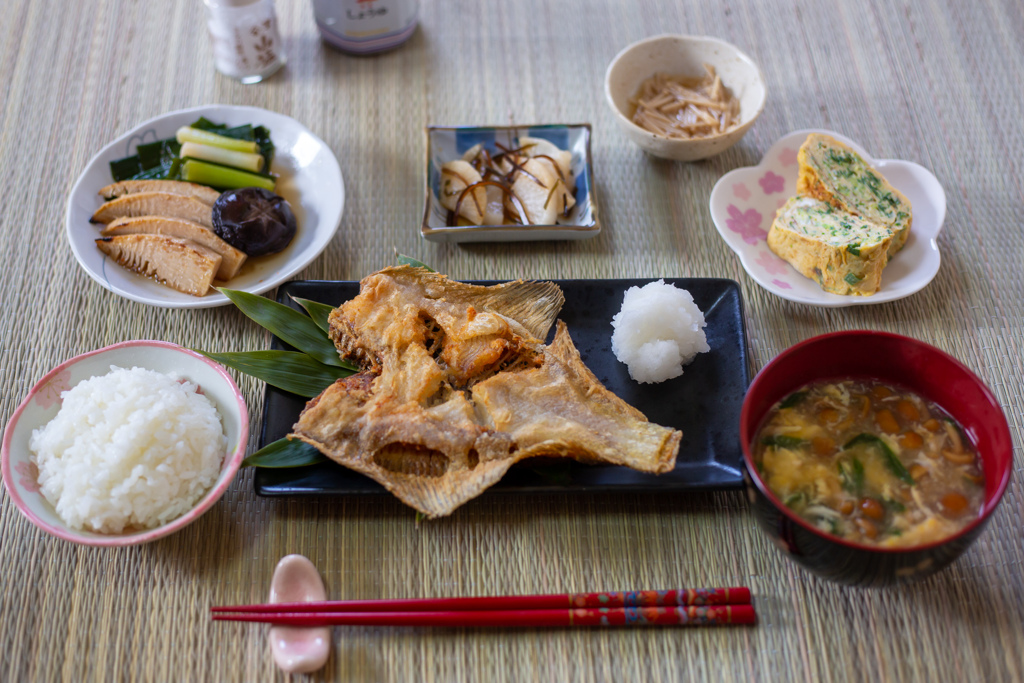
{"x":246,"y":42}
{"x":366,"y":26}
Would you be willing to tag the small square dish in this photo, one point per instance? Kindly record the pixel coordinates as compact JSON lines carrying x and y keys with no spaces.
{"x":450,"y":143}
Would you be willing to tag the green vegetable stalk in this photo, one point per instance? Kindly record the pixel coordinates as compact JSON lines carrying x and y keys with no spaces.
{"x":222,"y":177}
{"x":205,"y":137}
{"x":245,"y":161}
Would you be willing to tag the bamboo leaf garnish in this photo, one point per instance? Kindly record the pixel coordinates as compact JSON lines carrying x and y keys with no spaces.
{"x":320,"y":313}
{"x":285,"y":453}
{"x":287,"y":370}
{"x":404,"y":260}
{"x":287,"y":324}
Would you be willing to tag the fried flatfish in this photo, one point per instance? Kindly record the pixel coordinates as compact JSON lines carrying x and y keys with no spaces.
{"x":457,"y":386}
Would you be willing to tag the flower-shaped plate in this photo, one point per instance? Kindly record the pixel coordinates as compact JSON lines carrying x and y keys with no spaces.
{"x":744,"y":202}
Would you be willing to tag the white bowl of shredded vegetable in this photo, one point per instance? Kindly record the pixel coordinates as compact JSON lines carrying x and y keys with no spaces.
{"x":684,"y":97}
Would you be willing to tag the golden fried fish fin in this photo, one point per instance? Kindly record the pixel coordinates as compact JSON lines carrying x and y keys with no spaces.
{"x":533,"y":305}
{"x":561,"y":409}
{"x":433,"y":458}
{"x":400,"y":306}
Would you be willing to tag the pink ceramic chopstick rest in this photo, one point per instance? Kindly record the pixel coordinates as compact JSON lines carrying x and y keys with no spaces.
{"x":298,"y":649}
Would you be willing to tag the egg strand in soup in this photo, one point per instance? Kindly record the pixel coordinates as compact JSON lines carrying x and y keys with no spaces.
{"x":870,"y":463}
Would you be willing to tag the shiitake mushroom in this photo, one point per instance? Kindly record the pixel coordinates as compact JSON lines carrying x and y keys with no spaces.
{"x":254,"y":220}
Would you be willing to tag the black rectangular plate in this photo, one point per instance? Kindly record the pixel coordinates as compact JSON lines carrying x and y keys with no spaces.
{"x":704,"y":402}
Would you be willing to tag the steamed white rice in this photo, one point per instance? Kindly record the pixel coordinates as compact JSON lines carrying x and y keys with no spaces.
{"x":658,"y":330}
{"x":133,"y":449}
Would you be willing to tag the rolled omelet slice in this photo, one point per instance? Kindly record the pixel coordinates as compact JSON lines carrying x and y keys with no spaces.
{"x":843,"y":253}
{"x":834,"y":173}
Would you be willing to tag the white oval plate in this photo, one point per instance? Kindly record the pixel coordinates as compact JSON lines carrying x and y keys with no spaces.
{"x":309,"y":178}
{"x":744,"y":202}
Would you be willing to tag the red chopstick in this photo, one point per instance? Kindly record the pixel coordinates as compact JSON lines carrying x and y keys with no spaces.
{"x":683,"y":597}
{"x":715,"y":615}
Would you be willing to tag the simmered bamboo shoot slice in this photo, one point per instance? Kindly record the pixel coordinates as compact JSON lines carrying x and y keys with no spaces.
{"x":181,"y":264}
{"x":155,"y":204}
{"x":231,"y":258}
{"x":205,"y":194}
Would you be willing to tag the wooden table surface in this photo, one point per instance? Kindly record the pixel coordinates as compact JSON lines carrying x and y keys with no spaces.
{"x":938,"y":82}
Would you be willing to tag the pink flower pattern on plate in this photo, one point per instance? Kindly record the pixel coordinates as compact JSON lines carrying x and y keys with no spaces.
{"x":787,"y":157}
{"x":50,"y":393}
{"x":29,"y":476}
{"x":782,"y":285}
{"x":746,"y":223}
{"x":772,"y":183}
{"x":741,"y":191}
{"x":771,"y":263}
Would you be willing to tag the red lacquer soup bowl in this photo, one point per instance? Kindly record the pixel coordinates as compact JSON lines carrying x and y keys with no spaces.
{"x":896,"y":360}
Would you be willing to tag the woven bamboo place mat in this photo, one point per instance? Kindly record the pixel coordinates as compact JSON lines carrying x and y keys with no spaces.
{"x":933,"y":81}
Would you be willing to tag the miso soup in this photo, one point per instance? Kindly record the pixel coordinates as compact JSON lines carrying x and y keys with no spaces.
{"x":870,"y":463}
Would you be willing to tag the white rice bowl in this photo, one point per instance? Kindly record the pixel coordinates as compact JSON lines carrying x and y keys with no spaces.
{"x":658,"y":330}
{"x":133,"y":449}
